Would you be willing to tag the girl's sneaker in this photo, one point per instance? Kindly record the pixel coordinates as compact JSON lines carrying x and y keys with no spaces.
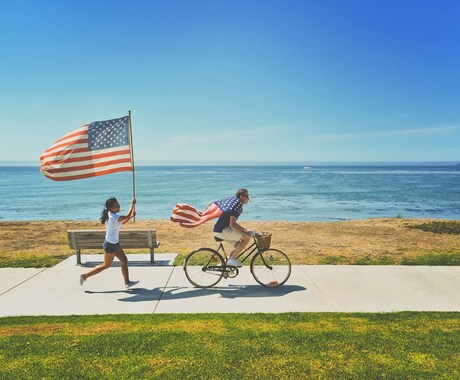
{"x":131,"y":284}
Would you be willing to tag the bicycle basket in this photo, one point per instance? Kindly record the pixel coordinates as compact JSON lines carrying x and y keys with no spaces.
{"x":264,"y":241}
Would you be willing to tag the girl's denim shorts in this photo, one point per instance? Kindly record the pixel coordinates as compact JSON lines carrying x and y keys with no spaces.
{"x":111,"y":248}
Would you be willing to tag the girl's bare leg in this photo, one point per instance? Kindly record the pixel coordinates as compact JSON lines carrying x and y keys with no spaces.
{"x":124,"y":264}
{"x":108,"y":260}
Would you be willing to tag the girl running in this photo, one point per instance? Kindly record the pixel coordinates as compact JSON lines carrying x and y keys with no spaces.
{"x":112,"y":248}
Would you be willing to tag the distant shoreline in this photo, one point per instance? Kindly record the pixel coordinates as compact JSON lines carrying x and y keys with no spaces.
{"x":262,"y":163}
{"x":211,"y":222}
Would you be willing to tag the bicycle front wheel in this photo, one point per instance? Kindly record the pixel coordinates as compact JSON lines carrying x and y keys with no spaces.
{"x":204,"y":267}
{"x":271,"y":268}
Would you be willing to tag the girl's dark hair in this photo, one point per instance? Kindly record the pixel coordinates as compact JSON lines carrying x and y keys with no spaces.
{"x":109,"y":203}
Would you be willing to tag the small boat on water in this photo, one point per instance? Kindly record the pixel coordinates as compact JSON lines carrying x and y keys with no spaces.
{"x":306,"y":168}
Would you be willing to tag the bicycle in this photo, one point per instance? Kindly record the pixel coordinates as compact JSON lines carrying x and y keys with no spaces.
{"x":271,"y":268}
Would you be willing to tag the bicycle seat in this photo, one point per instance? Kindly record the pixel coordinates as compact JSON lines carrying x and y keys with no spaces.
{"x":218,"y":239}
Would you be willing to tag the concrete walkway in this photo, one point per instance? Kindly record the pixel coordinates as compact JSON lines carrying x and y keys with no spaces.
{"x":164,"y":288}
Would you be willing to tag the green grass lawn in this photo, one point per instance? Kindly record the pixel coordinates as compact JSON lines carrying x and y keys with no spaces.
{"x":406,"y":345}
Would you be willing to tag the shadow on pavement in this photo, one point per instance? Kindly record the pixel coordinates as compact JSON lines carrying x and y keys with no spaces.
{"x":134,"y":295}
{"x":233,"y":291}
{"x":116,"y":263}
{"x":176,"y":293}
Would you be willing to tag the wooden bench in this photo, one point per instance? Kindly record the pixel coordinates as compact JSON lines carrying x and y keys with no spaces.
{"x":93,"y":239}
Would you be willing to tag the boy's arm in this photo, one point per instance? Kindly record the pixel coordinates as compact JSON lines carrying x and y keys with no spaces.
{"x":236,"y":227}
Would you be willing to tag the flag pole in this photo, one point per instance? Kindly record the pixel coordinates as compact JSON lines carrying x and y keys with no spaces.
{"x":132,"y":156}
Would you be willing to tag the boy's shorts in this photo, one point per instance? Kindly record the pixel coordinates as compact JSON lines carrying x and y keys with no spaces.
{"x":229,"y":235}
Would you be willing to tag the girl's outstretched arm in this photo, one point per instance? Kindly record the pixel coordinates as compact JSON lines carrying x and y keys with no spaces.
{"x":131,"y":213}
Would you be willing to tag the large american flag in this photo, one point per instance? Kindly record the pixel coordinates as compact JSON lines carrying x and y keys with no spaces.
{"x":188,"y":216}
{"x":98,"y":148}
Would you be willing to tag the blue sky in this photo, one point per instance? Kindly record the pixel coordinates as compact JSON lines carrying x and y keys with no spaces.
{"x":236,"y":80}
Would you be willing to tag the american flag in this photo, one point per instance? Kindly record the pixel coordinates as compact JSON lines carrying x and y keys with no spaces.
{"x":188,"y":216}
{"x":98,"y":148}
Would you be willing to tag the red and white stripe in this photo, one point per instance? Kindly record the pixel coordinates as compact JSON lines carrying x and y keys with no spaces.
{"x":69,"y":158}
{"x":189,"y":217}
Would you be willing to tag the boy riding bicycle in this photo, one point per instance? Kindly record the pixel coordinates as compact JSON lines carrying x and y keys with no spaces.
{"x":227,"y":228}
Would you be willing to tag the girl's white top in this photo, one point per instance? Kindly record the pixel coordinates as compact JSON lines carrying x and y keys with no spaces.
{"x":113,"y":226}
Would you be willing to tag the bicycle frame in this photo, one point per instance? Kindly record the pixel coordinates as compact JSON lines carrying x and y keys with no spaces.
{"x":213,"y":262}
{"x":251,"y":249}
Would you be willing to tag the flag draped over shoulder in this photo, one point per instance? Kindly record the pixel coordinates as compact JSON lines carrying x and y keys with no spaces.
{"x":189,"y":217}
{"x":98,"y":148}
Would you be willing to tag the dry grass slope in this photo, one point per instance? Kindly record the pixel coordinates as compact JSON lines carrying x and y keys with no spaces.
{"x":370,"y":241}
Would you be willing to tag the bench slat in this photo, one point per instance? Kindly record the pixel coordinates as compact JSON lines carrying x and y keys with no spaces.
{"x":93,"y":239}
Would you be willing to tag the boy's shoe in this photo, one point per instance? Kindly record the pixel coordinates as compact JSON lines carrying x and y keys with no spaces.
{"x":130,"y":284}
{"x":234,"y":263}
{"x":82,"y":279}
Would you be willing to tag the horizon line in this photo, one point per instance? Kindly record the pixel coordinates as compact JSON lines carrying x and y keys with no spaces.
{"x":252,"y":163}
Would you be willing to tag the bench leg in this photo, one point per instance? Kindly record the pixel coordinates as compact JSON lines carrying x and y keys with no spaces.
{"x":152,"y":255}
{"x":78,"y":257}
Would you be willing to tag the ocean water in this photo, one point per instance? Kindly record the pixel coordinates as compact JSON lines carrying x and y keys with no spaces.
{"x":285,"y":193}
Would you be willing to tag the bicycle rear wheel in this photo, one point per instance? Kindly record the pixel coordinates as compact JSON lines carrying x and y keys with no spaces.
{"x":204,"y":267}
{"x":270,"y":268}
